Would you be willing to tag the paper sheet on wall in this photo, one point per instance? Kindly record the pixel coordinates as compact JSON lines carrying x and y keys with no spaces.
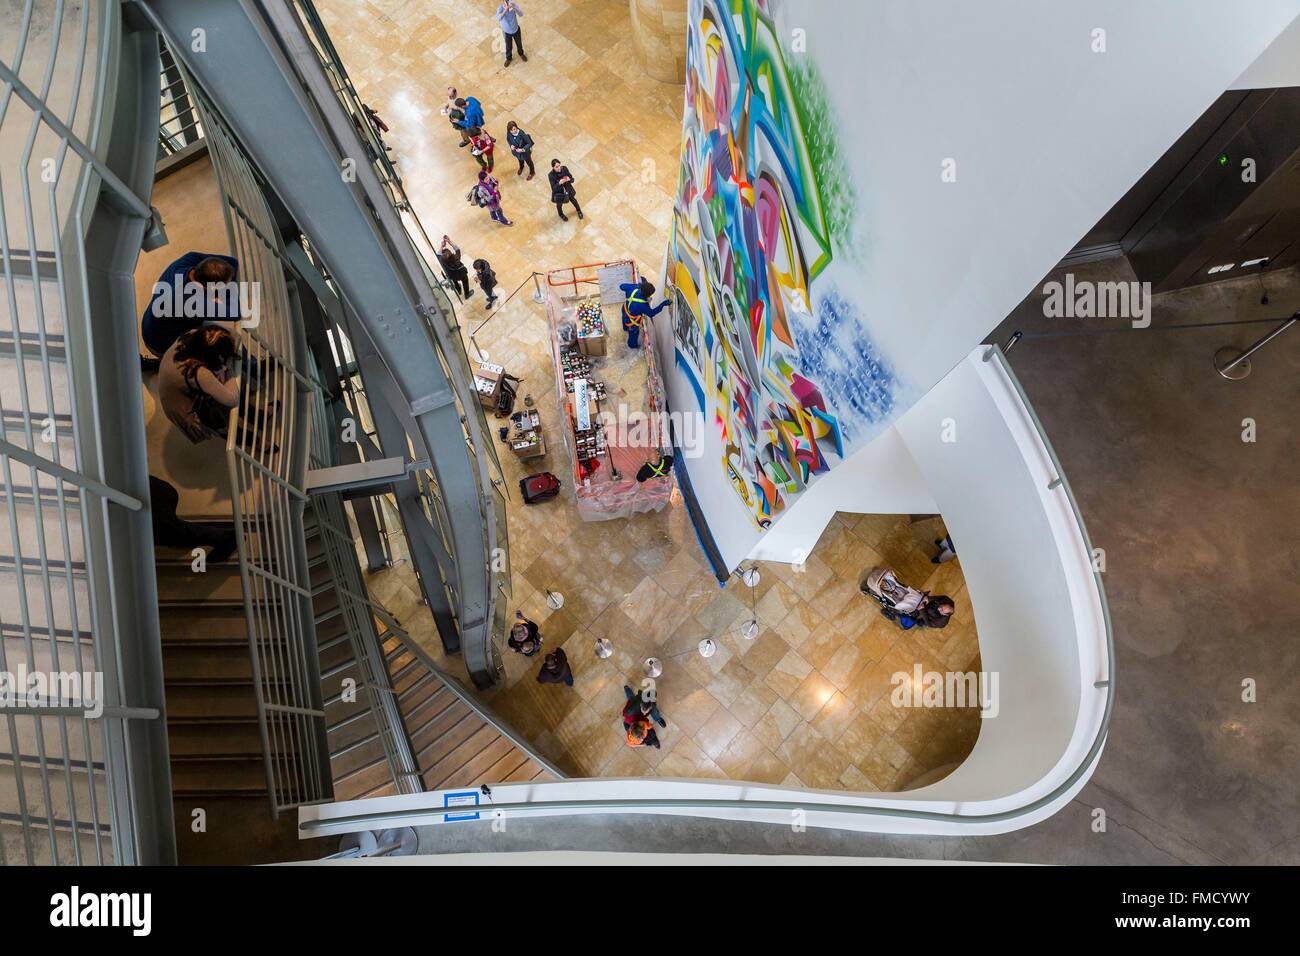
{"x":610,"y":278}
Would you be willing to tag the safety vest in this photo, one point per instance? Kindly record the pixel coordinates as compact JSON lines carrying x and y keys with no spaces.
{"x":659,"y":470}
{"x":628,"y":317}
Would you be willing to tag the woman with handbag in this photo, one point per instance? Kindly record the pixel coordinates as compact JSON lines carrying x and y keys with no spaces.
{"x":562,"y":189}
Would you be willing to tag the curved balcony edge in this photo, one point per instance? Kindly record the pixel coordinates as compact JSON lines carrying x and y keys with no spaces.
{"x":1071,"y":693}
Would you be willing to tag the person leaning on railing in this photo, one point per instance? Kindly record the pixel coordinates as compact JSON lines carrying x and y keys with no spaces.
{"x":196,"y":384}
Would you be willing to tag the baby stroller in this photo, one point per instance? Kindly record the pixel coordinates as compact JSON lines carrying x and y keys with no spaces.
{"x":895,"y":598}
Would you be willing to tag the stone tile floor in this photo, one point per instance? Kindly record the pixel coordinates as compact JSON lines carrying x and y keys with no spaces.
{"x":807,"y":700}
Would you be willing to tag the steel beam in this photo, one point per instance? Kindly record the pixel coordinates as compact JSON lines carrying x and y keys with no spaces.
{"x":262,"y":72}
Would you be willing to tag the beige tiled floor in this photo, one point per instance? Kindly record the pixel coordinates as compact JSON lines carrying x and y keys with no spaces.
{"x":807,"y":699}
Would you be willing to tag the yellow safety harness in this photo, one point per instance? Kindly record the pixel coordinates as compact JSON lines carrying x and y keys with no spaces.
{"x":628,"y":317}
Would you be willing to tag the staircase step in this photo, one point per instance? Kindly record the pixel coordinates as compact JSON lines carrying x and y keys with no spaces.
{"x":207,"y":701}
{"x":419,"y":693}
{"x":361,"y":756}
{"x":235,"y":775}
{"x":363,"y":780}
{"x":199,"y":659}
{"x":229,"y":738}
{"x":181,"y":623}
{"x":444,"y":734}
{"x":443,"y":711}
{"x":354,"y":731}
{"x":530,"y":769}
{"x":446,"y":768}
{"x":219,"y":585}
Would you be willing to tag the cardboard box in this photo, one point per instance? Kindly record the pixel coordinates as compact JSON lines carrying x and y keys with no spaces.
{"x":593,"y":345}
{"x":487,"y":382}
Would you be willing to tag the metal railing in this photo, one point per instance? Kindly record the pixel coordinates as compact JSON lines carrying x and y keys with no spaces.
{"x":178,"y":122}
{"x":266,"y":454}
{"x":83,"y":767}
{"x":367,"y":644}
{"x":536,"y":800}
{"x":491,"y":508}
{"x":392,"y":627}
{"x":341,"y":85}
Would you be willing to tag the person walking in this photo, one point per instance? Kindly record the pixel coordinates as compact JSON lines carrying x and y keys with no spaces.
{"x":481,"y":146}
{"x":453,"y":268}
{"x":456,"y":115}
{"x":555,"y":669}
{"x":562,"y":189}
{"x":641,"y":704}
{"x":487,"y":281}
{"x":508,"y":14}
{"x":521,"y":144}
{"x":637,"y":714}
{"x":487,"y":193}
{"x":636,"y":309}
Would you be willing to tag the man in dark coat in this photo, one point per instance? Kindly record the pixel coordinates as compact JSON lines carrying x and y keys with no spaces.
{"x":555,"y":669}
{"x":936,"y":611}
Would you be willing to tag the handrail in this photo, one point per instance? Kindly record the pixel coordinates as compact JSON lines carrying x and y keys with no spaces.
{"x":266,"y":459}
{"x":458,"y":690}
{"x":1252,"y":349}
{"x":77,"y":560}
{"x":367,"y":645}
{"x":1105,"y":685}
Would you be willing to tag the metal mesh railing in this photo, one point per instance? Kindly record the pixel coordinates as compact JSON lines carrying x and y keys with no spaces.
{"x":367,"y":649}
{"x":266,"y":452}
{"x":178,"y":122}
{"x":65,"y":776}
{"x":386,"y":171}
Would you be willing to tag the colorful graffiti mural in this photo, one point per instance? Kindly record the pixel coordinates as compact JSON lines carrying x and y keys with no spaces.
{"x":776,"y":355}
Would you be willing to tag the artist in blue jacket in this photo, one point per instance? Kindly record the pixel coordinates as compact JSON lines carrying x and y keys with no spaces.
{"x":636,"y":309}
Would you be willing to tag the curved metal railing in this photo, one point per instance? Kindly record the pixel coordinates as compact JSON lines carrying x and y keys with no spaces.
{"x":266,"y":454}
{"x":81,"y":759}
{"x":329,"y":822}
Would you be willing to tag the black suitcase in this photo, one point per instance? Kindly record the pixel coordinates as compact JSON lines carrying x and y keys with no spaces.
{"x":537,"y":488}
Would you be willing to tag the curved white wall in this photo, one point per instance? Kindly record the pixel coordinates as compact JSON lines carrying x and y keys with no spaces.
{"x":1041,"y":622}
{"x":1029,"y":574}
